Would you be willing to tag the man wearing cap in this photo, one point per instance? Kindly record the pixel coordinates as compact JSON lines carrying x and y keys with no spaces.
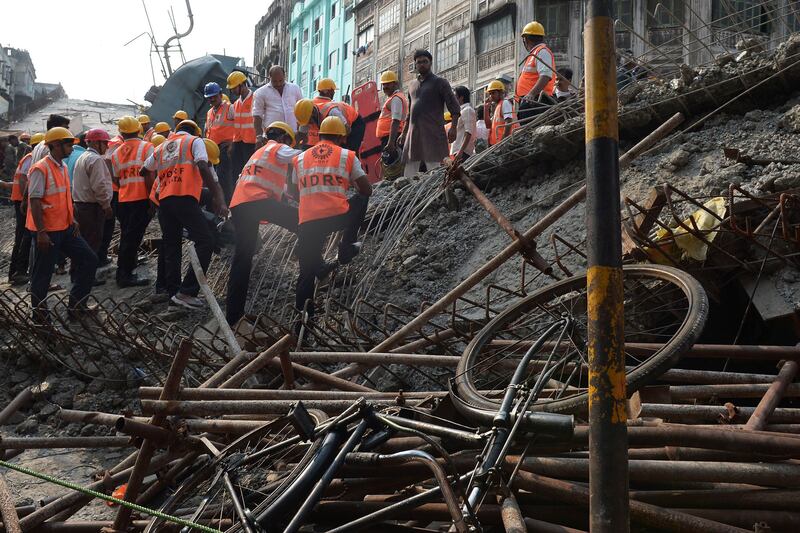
{"x":179,"y":116}
{"x":221,"y":128}
{"x":182,"y":168}
{"x":147,"y":131}
{"x":259,"y":197}
{"x":91,"y":189}
{"x":536,"y":81}
{"x":394,"y":111}
{"x":244,"y":139}
{"x":50,"y":217}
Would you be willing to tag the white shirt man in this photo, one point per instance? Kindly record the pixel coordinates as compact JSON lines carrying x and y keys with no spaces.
{"x":467,"y":124}
{"x":273,"y":106}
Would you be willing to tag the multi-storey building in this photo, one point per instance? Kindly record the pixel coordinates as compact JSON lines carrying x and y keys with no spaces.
{"x":476,"y":41}
{"x":272,"y":37}
{"x":321,"y":45}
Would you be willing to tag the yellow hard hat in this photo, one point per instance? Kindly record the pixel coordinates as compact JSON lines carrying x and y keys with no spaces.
{"x":332,"y":126}
{"x":447,"y":116}
{"x":143,"y":119}
{"x":225,"y":98}
{"x":192,"y":123}
{"x":181,"y":115}
{"x":326,"y":84}
{"x":236,"y":78}
{"x":128,"y":124}
{"x":496,"y":85}
{"x":213,"y":151}
{"x":161,"y":127}
{"x":388,"y":77}
{"x":282,"y":126}
{"x":303,"y":110}
{"x":533,"y":28}
{"x":157,"y":139}
{"x":58,"y":134}
{"x":36,"y":138}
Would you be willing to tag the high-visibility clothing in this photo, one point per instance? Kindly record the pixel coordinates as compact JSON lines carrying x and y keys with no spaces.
{"x":115,"y":142}
{"x":154,"y":191}
{"x":221,"y":123}
{"x":16,"y":190}
{"x":324,"y":106}
{"x":56,"y":200}
{"x":127,"y":161}
{"x":529,"y":74}
{"x":175,"y":167}
{"x":262,"y":177}
{"x":148,"y":134}
{"x":323,"y":177}
{"x":384,"y":126}
{"x":498,"y":130}
{"x":243,"y":118}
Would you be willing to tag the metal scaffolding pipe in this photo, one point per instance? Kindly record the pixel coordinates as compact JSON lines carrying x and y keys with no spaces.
{"x":247,"y":407}
{"x":773,"y":396}
{"x":149,"y":393}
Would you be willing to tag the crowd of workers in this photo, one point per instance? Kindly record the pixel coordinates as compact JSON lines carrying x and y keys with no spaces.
{"x":267,"y":155}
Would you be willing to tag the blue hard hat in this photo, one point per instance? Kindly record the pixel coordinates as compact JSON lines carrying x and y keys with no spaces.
{"x":212,"y":89}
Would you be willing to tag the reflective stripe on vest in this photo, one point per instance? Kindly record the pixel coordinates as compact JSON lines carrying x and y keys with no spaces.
{"x":323,"y":177}
{"x":384,"y":126}
{"x":56,"y":199}
{"x":221,"y":123}
{"x":262,"y":177}
{"x":177,"y":173}
{"x":126,"y":162}
{"x":16,"y":191}
{"x":529,"y":74}
{"x":243,"y":120}
{"x":497,"y":133}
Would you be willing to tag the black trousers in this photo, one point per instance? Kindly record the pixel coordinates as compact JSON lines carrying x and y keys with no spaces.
{"x":22,"y":244}
{"x":91,"y":220}
{"x":81,"y":256}
{"x":241,"y":154}
{"x":356,"y":137}
{"x":133,"y":220}
{"x":224,"y":172}
{"x":174,"y":214}
{"x":531,"y":109}
{"x":108,"y":230}
{"x":246,"y":220}
{"x":311,"y":238}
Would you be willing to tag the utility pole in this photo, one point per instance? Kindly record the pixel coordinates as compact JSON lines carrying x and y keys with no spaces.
{"x":608,"y":448}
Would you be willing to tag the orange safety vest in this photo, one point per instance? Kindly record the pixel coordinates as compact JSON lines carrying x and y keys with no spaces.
{"x":154,"y":190}
{"x":498,"y":130}
{"x":323,"y":177}
{"x":221,"y":123}
{"x":175,"y":167}
{"x":56,"y":199}
{"x":148,"y":135}
{"x":384,"y":126}
{"x":325,"y":105}
{"x":127,"y":161}
{"x":113,"y":144}
{"x":262,"y":177}
{"x":529,"y":74}
{"x":16,"y":191}
{"x":243,"y":119}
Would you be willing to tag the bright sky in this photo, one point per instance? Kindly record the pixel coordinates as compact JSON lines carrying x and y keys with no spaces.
{"x":81,"y":44}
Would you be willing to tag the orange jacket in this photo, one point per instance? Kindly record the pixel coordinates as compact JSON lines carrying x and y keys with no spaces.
{"x":529,"y":74}
{"x":126,"y":161}
{"x":384,"y":126}
{"x":323,"y":177}
{"x":16,"y":191}
{"x":175,"y":166}
{"x":262,"y":177}
{"x":498,"y":130}
{"x":243,"y":119}
{"x":324,"y":106}
{"x":57,"y":198}
{"x":221,"y":123}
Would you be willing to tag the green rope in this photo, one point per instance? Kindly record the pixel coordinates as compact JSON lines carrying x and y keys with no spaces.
{"x":100,"y":495}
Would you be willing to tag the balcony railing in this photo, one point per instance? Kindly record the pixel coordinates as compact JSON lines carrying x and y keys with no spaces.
{"x":489,"y":60}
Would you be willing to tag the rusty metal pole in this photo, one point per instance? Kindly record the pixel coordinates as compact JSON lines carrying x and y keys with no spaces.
{"x":608,"y":446}
{"x":7,"y":509}
{"x":758,"y":420}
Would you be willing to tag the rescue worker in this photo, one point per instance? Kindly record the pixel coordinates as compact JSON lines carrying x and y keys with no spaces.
{"x":504,"y":119}
{"x":536,"y":81}
{"x":394,"y":111}
{"x":18,"y":265}
{"x":323,"y":174}
{"x":244,"y":138}
{"x":50,"y":217}
{"x":221,"y":128}
{"x":179,"y":116}
{"x":147,"y":131}
{"x":91,"y":190}
{"x":310,"y":114}
{"x":353,"y":122}
{"x":157,"y":139}
{"x":133,"y":207}
{"x":181,"y":165}
{"x":161,"y":128}
{"x":258,"y":197}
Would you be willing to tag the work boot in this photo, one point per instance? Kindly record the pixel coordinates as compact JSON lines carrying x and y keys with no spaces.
{"x":79,"y":312}
{"x":19,"y":279}
{"x":326,"y":269}
{"x":347,"y":253}
{"x":190,"y":302}
{"x":132,"y":281}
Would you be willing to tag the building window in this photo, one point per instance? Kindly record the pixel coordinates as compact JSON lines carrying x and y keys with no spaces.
{"x":333,"y":59}
{"x":495,"y":33}
{"x":346,"y":50}
{"x":305,"y":35}
{"x":366,"y":37}
{"x":453,"y":50}
{"x":304,"y":80}
{"x":317,"y":29}
{"x":294,"y":50}
{"x":554,"y":15}
{"x":415,"y":6}
{"x":334,"y":10}
{"x":389,"y":18}
{"x":658,"y":17}
{"x":625,"y":12}
{"x":749,"y":14}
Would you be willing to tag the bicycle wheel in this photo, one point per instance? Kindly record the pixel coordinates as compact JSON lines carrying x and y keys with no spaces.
{"x":665,"y":310}
{"x":257,"y":478}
